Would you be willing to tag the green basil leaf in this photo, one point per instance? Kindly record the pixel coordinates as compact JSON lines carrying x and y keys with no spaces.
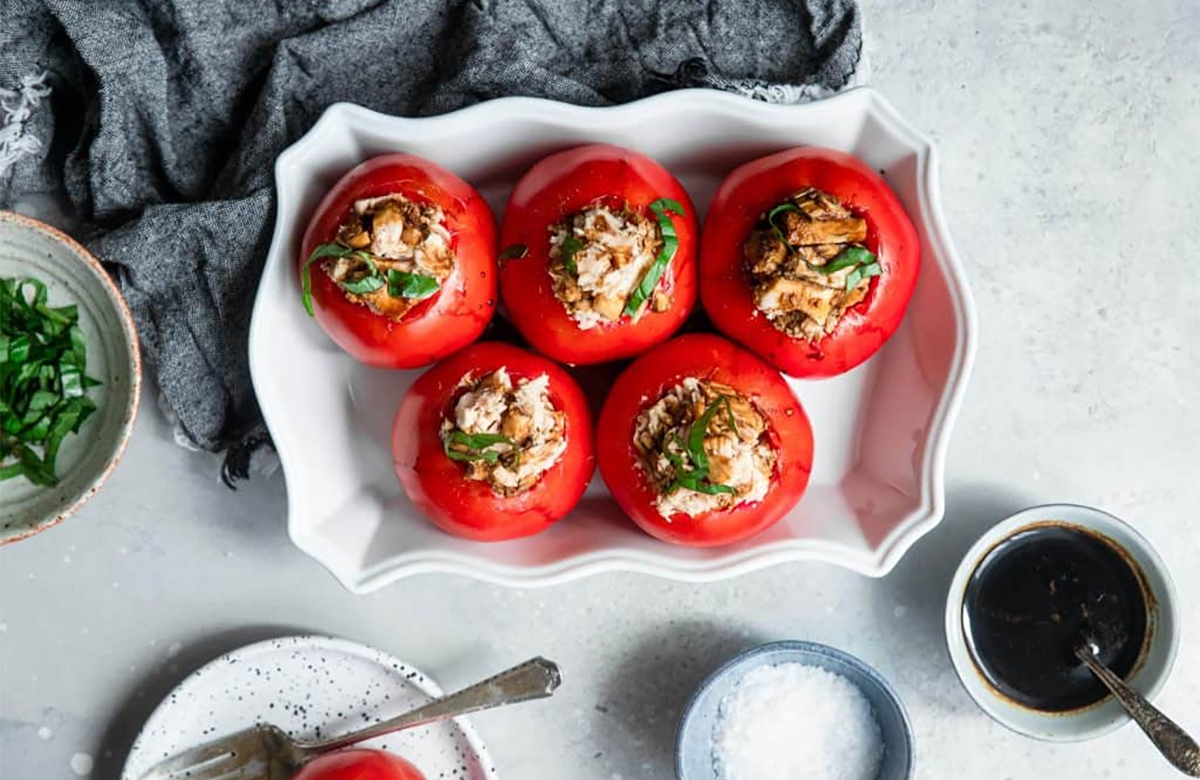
{"x":72,"y":382}
{"x":703,"y":486}
{"x":697,"y":478}
{"x":321,"y":252}
{"x":42,"y":399}
{"x":367,"y":284}
{"x":863,"y":272}
{"x":37,"y":433}
{"x":476,"y":445}
{"x":851,"y":255}
{"x":782,"y":208}
{"x":43,"y":355}
{"x":570,"y":246}
{"x":699,"y":430}
{"x":18,"y":349}
{"x":661,"y":208}
{"x":35,"y":469}
{"x":402,"y":284}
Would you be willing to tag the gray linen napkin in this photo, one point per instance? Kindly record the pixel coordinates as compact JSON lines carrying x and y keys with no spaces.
{"x":156,"y":139}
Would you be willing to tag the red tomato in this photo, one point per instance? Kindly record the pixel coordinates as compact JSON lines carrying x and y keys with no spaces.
{"x":563,"y":184}
{"x":359,"y":764}
{"x":468,"y":507}
{"x":448,"y":320}
{"x":712,"y":358}
{"x":759,"y":185}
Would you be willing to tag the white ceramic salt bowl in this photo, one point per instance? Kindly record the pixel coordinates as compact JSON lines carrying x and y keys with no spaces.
{"x":1152,"y":669}
{"x":694,"y":758}
{"x":29,"y":248}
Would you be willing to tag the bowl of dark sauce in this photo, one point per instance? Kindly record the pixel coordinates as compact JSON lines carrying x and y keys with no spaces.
{"x":1033,"y":587}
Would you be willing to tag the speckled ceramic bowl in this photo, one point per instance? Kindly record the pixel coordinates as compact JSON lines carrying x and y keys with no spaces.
{"x":1152,"y":668}
{"x":73,"y":275}
{"x":694,"y":744}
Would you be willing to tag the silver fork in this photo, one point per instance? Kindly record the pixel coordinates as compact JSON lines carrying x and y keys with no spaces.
{"x":265,"y":752}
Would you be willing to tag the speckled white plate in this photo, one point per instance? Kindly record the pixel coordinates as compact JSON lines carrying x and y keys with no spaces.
{"x":72,"y":275}
{"x":309,"y":686}
{"x":881,"y":430}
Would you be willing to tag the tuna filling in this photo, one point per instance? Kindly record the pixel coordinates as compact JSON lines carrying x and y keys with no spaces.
{"x":598,"y":257}
{"x":807,"y":264}
{"x":505,"y":434}
{"x":705,"y":448}
{"x":390,"y":253}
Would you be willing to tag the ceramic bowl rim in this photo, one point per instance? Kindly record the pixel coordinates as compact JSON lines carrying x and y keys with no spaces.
{"x":133,"y":356}
{"x":799,"y":648}
{"x":1091,"y":518}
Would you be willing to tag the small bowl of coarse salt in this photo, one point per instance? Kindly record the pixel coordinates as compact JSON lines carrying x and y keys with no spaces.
{"x":795,"y":711}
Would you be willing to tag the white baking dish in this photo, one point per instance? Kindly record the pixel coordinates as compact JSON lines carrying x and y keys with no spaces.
{"x":881,"y":430}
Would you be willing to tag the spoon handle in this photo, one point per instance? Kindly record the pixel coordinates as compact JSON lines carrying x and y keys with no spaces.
{"x":1171,"y":740}
{"x":535,"y":679}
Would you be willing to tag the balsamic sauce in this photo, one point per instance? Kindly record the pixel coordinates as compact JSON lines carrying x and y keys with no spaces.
{"x":1030,"y":600}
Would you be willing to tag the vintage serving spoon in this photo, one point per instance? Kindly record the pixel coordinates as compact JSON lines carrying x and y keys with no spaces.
{"x":266,"y":753}
{"x":1171,"y":740}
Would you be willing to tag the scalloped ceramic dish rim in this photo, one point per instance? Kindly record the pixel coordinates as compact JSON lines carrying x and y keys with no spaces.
{"x":798,"y":650}
{"x":1142,"y":553}
{"x":133,"y":357}
{"x":890,"y":549}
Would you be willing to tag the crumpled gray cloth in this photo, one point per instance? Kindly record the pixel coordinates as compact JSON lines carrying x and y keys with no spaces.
{"x":158,"y":138}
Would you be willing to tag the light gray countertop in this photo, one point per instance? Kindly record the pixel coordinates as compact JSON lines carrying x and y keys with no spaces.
{"x":1070,"y":147}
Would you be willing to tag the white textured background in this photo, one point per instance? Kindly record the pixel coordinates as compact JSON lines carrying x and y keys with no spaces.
{"x":1070,"y":146}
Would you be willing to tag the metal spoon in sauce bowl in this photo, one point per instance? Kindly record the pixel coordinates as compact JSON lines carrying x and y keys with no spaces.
{"x":1171,"y":740}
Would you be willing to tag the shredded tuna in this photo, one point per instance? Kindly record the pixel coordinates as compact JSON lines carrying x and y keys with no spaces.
{"x":525,"y":430}
{"x":800,"y":300}
{"x":739,"y":453}
{"x":398,"y":234}
{"x":612,"y":251}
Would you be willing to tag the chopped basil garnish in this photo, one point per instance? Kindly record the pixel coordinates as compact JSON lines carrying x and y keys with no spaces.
{"x":43,"y":380}
{"x":696,"y":478}
{"x":850,"y":256}
{"x":570,"y":246}
{"x":862,"y":272}
{"x":645,"y":288}
{"x":460,"y":445}
{"x":320,"y":253}
{"x":402,"y":284}
{"x":781,"y":209}
{"x":513,"y":252}
{"x":369,"y":283}
{"x":701,"y":485}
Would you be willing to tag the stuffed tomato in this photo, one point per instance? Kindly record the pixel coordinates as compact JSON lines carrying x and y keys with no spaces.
{"x":399,"y":264}
{"x":599,"y":255}
{"x":494,"y":443}
{"x":705,"y":444}
{"x":808,"y":259}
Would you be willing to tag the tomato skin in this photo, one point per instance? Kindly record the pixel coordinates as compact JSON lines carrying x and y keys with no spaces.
{"x":469,"y":508}
{"x":565,"y":183}
{"x":359,"y":764}
{"x":714,"y":358}
{"x":447,"y":321}
{"x":725,"y":290}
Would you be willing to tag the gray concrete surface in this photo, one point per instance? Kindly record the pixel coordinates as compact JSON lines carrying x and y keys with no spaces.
{"x":1070,"y":146}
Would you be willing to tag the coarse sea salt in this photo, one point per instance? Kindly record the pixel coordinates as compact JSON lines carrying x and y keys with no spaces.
{"x":796,"y":722}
